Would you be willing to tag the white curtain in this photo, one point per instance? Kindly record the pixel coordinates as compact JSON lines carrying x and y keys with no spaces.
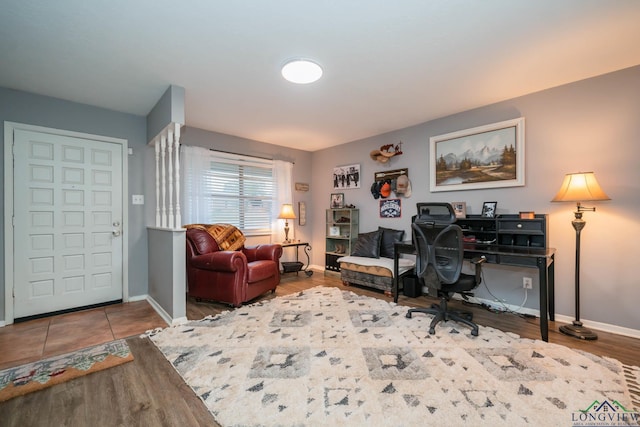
{"x":282,"y":176}
{"x":194,"y":163}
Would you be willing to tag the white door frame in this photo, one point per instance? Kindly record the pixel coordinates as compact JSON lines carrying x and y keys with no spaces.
{"x":9,"y":128}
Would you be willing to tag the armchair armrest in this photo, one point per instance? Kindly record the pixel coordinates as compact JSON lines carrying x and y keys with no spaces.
{"x":271,"y":252}
{"x":227,"y":261}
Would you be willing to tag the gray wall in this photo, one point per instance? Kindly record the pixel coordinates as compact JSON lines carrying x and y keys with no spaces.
{"x":587,"y":125}
{"x":590,"y":125}
{"x":22,"y":107}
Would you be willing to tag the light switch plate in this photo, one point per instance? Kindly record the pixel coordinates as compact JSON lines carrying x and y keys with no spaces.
{"x":137,"y":199}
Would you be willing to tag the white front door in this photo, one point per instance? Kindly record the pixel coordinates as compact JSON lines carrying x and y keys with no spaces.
{"x":68,"y":215}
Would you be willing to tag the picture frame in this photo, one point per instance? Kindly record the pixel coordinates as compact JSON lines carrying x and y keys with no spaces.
{"x":460,"y":208}
{"x":334,"y":231}
{"x":488,"y":156}
{"x":390,"y":208}
{"x":346,"y":177}
{"x":489,"y":209}
{"x":302,"y":186}
{"x":302,"y":213}
{"x":337,"y":200}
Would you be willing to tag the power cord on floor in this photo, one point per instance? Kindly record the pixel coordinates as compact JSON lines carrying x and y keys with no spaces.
{"x":505,"y":308}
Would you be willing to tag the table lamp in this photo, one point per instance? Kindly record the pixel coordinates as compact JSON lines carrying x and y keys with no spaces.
{"x":579,"y":187}
{"x":286,"y":213}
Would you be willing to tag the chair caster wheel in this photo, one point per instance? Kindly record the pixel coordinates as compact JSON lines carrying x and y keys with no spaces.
{"x":432,"y":331}
{"x":408,"y":315}
{"x":474,"y":332}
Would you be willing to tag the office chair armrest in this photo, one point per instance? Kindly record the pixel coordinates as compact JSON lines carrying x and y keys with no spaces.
{"x":478,"y":260}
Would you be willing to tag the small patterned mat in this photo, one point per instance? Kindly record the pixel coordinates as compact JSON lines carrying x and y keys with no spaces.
{"x":55,"y":370}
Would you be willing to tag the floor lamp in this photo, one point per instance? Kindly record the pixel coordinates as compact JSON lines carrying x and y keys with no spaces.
{"x":286,"y":213}
{"x":579,"y":187}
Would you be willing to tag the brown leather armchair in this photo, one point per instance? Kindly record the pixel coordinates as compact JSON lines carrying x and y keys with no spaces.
{"x":232,"y":277}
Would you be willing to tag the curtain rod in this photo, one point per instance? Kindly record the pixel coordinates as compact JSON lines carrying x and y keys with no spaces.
{"x":246,"y":155}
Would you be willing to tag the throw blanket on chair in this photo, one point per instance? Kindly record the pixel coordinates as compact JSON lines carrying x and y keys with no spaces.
{"x":227,"y":236}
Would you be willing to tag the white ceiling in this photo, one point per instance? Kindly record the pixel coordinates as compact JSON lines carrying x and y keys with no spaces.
{"x":387,"y":64}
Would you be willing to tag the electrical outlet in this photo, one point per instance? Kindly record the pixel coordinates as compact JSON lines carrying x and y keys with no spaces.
{"x":527,"y":283}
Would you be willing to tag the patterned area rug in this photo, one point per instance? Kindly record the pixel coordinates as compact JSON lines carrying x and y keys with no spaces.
{"x":330,"y":357}
{"x":55,"y":370}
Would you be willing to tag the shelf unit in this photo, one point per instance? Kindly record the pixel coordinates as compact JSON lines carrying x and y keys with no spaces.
{"x":483,"y":229}
{"x":341,"y":234}
{"x":507,"y":230}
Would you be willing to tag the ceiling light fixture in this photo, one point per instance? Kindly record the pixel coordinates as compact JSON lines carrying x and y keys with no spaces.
{"x":301,"y":71}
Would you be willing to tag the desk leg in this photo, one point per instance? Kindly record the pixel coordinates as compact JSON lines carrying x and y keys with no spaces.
{"x":552,"y":288}
{"x":396,"y":256}
{"x":544,"y":298}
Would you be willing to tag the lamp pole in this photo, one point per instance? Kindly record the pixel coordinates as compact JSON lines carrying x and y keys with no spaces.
{"x":576,"y":329}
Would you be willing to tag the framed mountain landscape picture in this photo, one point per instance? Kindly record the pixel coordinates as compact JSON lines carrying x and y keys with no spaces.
{"x":487,"y":156}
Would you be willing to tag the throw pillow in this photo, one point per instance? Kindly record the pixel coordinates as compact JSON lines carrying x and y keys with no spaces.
{"x":367,"y":245}
{"x":389,"y":237}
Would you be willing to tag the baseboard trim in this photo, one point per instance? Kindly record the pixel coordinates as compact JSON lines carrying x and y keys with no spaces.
{"x":604,"y":327}
{"x":165,"y":316}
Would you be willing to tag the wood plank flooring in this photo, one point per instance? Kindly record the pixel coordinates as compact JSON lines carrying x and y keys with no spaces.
{"x":148,"y":392}
{"x":145,"y":392}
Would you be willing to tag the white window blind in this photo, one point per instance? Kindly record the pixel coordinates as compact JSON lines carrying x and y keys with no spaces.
{"x":235,"y":189}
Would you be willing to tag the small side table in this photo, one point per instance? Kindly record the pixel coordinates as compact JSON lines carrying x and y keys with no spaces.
{"x":294,"y":267}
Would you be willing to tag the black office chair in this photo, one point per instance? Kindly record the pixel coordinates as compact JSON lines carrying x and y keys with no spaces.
{"x":440,"y":255}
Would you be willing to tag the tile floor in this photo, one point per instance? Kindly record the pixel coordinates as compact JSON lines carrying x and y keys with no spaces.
{"x":37,"y":339}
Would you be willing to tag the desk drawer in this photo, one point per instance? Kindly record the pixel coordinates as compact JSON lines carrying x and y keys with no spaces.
{"x":518,"y":260}
{"x":530,"y":226}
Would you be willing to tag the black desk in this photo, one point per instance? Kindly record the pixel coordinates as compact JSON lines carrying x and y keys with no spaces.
{"x":540,"y":258}
{"x":294,"y":267}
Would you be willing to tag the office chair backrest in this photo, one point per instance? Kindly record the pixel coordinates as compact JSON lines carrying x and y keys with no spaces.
{"x":448,"y":251}
{"x":439,"y":245}
{"x":437,"y":213}
{"x":440,"y":253}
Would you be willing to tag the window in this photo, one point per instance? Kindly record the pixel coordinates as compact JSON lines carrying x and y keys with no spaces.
{"x":231,"y":189}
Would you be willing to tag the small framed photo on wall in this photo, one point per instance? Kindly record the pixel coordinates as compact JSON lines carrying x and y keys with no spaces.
{"x":489,"y":209}
{"x":337,"y":200}
{"x":390,"y":208}
{"x":346,"y":177}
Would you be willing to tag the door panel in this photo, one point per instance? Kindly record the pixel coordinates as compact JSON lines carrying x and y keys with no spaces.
{"x":67,"y":228}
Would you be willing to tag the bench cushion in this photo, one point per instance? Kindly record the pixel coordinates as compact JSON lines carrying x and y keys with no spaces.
{"x":376,"y":266}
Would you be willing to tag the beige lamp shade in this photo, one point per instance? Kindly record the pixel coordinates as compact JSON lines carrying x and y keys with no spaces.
{"x":580,"y":187}
{"x":286,"y":212}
